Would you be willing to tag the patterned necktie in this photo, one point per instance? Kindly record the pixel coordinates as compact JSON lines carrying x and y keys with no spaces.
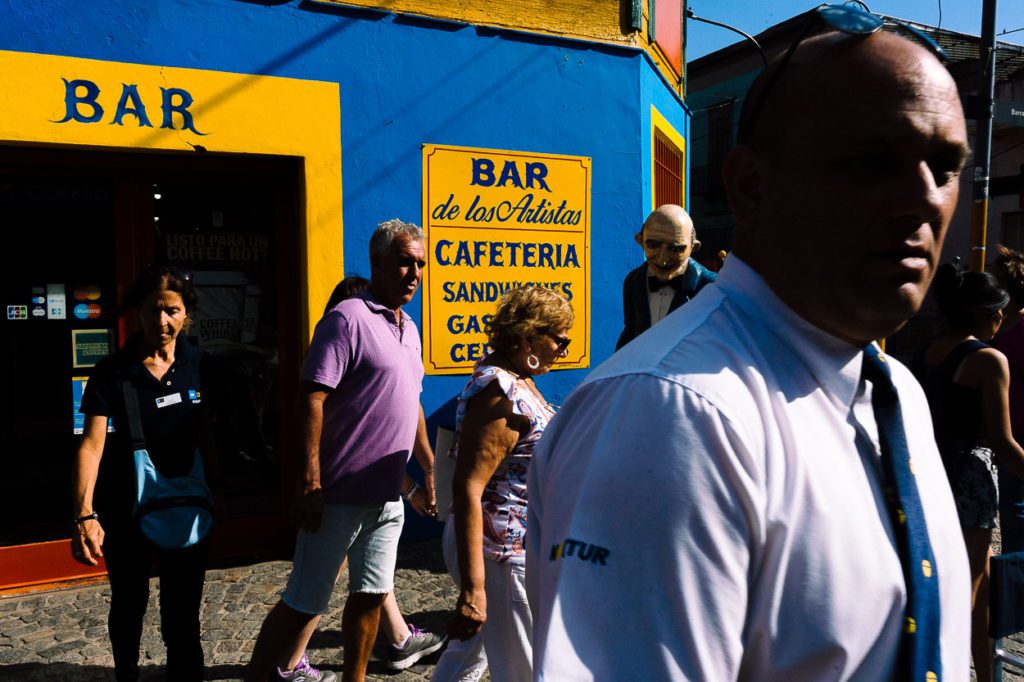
{"x":919,"y":654}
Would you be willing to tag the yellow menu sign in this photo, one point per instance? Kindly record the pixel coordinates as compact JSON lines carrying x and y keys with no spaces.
{"x":496,"y":220}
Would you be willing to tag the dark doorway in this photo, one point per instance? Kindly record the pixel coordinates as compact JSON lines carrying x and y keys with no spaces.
{"x":82,"y":225}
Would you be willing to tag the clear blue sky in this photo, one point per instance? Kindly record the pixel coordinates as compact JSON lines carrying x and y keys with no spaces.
{"x":754,"y":16}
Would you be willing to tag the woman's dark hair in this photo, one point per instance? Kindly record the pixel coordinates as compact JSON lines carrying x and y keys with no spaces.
{"x":155,"y":278}
{"x":962,"y":295}
{"x":1009,"y":269}
{"x":346,"y":288}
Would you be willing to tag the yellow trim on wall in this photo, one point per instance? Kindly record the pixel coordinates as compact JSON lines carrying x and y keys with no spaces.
{"x":232,"y":113}
{"x":659,"y":124}
{"x":585,"y":19}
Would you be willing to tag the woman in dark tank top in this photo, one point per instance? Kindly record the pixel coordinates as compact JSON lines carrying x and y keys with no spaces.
{"x":967,"y":382}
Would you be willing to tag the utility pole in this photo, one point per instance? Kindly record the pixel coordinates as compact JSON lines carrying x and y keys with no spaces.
{"x":983,"y":135}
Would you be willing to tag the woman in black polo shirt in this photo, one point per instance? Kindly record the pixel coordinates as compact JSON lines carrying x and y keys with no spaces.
{"x":167,"y":372}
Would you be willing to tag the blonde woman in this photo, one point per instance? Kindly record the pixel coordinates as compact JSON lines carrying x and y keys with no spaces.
{"x":501,"y":416}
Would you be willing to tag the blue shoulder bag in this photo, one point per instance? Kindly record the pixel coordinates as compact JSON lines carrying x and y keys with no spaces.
{"x":173,"y":512}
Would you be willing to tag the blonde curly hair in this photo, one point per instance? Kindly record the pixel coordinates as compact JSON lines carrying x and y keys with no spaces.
{"x":527,"y":312}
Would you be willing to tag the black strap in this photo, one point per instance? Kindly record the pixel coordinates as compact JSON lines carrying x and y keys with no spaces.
{"x":959,"y":354}
{"x":131,"y":405}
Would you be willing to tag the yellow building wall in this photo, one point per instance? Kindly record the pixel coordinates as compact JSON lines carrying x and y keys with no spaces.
{"x":604,"y":21}
{"x":600,"y":20}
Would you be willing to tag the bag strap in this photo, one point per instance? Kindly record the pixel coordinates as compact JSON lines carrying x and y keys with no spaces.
{"x":131,"y":404}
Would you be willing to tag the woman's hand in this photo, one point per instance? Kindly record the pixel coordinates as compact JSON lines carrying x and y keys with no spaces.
{"x":87,"y":542}
{"x":470,"y":614}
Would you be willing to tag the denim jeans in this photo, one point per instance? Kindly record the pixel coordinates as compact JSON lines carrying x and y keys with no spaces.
{"x":367,"y":534}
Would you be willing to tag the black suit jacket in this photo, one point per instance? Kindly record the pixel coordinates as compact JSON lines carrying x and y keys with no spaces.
{"x":636,"y":305}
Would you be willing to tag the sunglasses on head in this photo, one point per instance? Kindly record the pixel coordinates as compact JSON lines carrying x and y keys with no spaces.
{"x":849,"y":19}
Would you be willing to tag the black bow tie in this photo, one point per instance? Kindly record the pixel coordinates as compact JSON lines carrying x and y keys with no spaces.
{"x":653,"y":283}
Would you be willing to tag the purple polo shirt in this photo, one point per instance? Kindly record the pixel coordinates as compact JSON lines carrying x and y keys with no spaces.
{"x":375,"y":373}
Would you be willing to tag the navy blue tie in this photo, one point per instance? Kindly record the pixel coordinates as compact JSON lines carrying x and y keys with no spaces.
{"x":919,"y":657}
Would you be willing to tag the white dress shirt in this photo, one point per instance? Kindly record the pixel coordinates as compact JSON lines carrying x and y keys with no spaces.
{"x":707,"y":506}
{"x":659,"y":302}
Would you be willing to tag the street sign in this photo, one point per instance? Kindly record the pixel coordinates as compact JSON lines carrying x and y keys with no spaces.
{"x":1009,"y":113}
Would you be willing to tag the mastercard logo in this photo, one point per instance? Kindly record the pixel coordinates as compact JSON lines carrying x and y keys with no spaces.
{"x":87,"y":311}
{"x":90,"y":292}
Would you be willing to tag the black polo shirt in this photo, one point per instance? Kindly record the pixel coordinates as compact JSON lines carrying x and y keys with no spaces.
{"x":170,"y":410}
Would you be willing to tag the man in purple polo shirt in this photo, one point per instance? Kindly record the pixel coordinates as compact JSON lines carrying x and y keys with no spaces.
{"x":361,"y":383}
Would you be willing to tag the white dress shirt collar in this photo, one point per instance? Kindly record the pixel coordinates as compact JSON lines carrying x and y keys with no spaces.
{"x":834,"y":363}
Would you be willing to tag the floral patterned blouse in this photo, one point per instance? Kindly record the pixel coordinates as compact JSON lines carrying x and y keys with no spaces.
{"x":504,"y":498}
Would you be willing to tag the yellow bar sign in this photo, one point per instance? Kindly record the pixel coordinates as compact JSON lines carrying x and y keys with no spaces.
{"x":496,"y":220}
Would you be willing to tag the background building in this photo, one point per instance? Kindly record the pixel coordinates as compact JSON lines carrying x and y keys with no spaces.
{"x":719,"y":81}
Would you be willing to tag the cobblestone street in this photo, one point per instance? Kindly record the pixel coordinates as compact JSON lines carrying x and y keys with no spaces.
{"x":61,"y":635}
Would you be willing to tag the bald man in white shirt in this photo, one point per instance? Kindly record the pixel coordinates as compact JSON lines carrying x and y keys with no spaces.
{"x":710,"y":504}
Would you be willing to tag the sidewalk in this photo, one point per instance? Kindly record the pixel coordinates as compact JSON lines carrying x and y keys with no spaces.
{"x":62,"y":635}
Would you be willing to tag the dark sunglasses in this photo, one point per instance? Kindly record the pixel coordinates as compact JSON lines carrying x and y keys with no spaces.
{"x":845,"y":19}
{"x":673,"y":248}
{"x":562,"y":341}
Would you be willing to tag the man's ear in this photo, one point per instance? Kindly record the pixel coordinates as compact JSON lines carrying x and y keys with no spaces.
{"x":745,"y":174}
{"x":639,"y":238}
{"x":696,"y":246}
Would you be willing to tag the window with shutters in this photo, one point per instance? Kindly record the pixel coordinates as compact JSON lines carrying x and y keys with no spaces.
{"x":668,"y":171}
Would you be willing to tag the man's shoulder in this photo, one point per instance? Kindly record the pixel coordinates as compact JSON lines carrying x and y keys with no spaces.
{"x":698,"y":350}
{"x":351,"y":308}
{"x":704,"y":275}
{"x":346,"y":315}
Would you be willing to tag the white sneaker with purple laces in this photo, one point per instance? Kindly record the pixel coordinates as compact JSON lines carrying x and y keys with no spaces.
{"x":418,"y":645}
{"x":304,"y":672}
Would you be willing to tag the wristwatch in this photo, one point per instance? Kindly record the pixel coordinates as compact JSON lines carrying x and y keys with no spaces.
{"x":85,"y":517}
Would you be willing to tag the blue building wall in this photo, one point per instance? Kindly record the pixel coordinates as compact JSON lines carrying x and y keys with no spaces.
{"x":654,"y":91}
{"x":405,"y":82}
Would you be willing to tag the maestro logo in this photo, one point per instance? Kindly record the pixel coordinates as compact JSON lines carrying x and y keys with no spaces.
{"x":87,"y":311}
